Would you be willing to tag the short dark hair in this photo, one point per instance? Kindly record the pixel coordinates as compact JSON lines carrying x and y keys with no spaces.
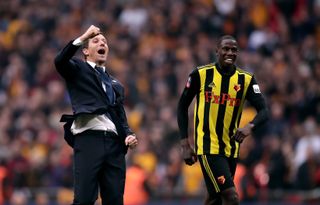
{"x":85,"y":44}
{"x":225,"y":37}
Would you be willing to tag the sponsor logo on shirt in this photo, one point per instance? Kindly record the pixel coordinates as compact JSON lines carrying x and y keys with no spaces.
{"x":224,"y":99}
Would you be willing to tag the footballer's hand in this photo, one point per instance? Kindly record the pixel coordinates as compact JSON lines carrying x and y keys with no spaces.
{"x":188,"y":153}
{"x":242,"y":133}
{"x":131,"y":141}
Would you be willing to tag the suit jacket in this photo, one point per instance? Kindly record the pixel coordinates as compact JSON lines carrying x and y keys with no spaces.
{"x":86,"y":93}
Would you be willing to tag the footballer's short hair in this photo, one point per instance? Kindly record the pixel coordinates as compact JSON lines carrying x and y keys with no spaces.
{"x":225,"y":37}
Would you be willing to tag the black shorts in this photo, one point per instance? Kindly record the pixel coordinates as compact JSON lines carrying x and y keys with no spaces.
{"x":218,"y":172}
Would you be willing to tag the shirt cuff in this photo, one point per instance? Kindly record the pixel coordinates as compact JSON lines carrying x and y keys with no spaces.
{"x":77,"y":42}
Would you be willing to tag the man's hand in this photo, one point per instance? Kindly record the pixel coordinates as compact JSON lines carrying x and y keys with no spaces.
{"x":131,"y":141}
{"x":188,"y":154}
{"x":90,"y":32}
{"x":242,"y":133}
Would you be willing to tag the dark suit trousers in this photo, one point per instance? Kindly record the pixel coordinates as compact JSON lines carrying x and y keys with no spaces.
{"x":99,"y":163}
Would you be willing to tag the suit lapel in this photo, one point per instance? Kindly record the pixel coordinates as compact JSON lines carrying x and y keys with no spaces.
{"x":115,"y":84}
{"x":117,"y":90}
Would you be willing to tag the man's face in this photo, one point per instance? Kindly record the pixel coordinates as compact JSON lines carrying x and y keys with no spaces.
{"x":227,"y":52}
{"x":97,"y":50}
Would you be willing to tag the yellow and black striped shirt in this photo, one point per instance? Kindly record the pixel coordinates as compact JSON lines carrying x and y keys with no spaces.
{"x":220,"y":99}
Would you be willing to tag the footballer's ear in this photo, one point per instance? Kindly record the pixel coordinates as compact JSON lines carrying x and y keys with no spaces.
{"x":217,"y":51}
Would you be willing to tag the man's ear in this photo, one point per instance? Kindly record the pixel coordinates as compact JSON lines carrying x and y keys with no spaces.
{"x":85,"y":52}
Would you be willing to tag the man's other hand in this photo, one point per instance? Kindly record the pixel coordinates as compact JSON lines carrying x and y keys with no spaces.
{"x":242,"y":133}
{"x":188,"y":153}
{"x":131,"y":141}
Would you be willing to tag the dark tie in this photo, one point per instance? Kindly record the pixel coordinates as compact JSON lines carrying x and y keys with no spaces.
{"x":106,"y":80}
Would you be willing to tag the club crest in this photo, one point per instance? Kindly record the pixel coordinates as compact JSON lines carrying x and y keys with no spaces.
{"x":237,"y":87}
{"x":221,"y":179}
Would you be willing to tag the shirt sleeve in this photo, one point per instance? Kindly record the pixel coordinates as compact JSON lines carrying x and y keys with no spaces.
{"x":256,"y":99}
{"x":191,"y":89}
{"x":77,"y":42}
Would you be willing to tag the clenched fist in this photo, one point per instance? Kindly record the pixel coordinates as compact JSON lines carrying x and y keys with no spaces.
{"x":90,"y":32}
{"x":131,"y":141}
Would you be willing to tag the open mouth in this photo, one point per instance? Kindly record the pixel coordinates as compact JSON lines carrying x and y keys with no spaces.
{"x":229,"y":60}
{"x":101,"y":51}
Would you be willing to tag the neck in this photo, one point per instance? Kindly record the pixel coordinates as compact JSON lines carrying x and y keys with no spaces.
{"x":97,"y":62}
{"x":100,"y":64}
{"x":229,"y":69}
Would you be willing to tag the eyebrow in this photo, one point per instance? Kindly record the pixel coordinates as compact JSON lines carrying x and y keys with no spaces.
{"x":228,"y":46}
{"x":97,"y":38}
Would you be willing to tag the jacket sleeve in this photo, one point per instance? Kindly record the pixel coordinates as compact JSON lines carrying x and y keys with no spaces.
{"x":121,"y":111}
{"x":256,"y":99}
{"x":63,"y":61}
{"x":190,"y":91}
{"x":123,"y":120}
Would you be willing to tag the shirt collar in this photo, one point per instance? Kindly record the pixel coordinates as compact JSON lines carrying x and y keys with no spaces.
{"x":93,"y":65}
{"x":222,"y":71}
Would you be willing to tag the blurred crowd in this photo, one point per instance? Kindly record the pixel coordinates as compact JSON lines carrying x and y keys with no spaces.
{"x":154,"y":45}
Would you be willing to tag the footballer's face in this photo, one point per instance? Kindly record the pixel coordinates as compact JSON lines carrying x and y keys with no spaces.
{"x":227,"y":52}
{"x":97,"y":50}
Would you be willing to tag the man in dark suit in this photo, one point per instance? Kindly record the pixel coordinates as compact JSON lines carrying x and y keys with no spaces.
{"x":98,"y":130}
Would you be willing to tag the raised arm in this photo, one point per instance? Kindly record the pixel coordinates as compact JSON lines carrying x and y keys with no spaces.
{"x":63,"y":62}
